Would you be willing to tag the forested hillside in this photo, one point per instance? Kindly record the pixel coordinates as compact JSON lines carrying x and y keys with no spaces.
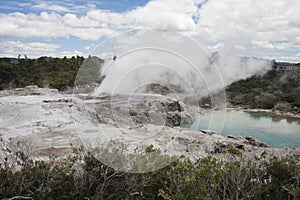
{"x":275,"y":89}
{"x":45,"y":71}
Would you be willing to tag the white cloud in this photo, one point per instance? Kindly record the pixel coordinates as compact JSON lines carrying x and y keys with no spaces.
{"x":64,"y":6}
{"x":68,"y":54}
{"x":34,"y":49}
{"x":292,"y":59}
{"x":263,"y":44}
{"x":57,"y":8}
{"x":97,"y":23}
{"x":249,"y":25}
{"x":167,"y":14}
{"x":92,"y":33}
{"x":9,"y":48}
{"x":89,"y":47}
{"x":19,"y":25}
{"x":248,"y":20}
{"x":45,"y":25}
{"x":253,"y":26}
{"x":72,"y":21}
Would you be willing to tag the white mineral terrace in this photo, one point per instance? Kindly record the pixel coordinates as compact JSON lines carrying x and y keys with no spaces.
{"x":51,"y":119}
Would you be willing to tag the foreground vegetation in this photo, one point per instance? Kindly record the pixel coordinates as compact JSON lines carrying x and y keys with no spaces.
{"x":82,"y":176}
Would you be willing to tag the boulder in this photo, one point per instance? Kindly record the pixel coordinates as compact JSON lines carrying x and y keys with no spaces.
{"x":238,"y":138}
{"x":208,"y":132}
{"x":220,"y":147}
{"x":174,"y":106}
{"x":255,"y":142}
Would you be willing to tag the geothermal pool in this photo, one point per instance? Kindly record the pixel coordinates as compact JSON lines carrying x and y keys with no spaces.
{"x":273,"y":130}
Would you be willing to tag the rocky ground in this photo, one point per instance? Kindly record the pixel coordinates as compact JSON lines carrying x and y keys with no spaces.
{"x":275,"y":113}
{"x":50,"y":121}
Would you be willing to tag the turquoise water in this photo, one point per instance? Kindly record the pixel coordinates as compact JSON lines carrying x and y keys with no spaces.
{"x":275,"y":131}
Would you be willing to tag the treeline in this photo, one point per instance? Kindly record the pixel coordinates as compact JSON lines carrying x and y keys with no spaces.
{"x":274,"y":90}
{"x":58,"y":73}
{"x":82,"y":176}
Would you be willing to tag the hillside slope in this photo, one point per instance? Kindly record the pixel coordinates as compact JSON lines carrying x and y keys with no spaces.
{"x":58,"y":73}
{"x":275,"y":90}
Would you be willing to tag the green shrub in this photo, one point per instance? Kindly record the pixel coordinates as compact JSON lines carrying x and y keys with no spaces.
{"x":233,"y":150}
{"x":82,"y":176}
{"x":266,"y":91}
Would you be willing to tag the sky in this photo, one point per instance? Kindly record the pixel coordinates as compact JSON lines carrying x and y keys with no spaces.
{"x":266,"y":28}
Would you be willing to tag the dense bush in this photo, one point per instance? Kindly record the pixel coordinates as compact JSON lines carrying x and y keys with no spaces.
{"x":55,"y":72}
{"x":82,"y":176}
{"x":267,"y":91}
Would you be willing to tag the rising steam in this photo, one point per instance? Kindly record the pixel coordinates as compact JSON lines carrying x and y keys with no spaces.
{"x":139,"y":58}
